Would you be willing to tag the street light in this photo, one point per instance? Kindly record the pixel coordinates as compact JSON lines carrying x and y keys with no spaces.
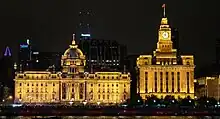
{"x":20,"y":100}
{"x":98,"y":103}
{"x":85,"y":102}
{"x":10,"y":97}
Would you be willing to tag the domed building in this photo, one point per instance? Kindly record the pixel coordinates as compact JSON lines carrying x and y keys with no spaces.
{"x":72,"y":84}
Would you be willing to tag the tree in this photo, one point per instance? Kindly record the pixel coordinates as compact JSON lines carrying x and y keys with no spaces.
{"x":152,"y":101}
{"x":169,"y":100}
{"x":187,"y":102}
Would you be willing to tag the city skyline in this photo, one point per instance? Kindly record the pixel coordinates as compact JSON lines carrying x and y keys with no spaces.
{"x":43,"y":25}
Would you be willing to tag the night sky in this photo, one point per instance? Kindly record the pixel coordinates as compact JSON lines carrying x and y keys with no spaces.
{"x":50,"y":24}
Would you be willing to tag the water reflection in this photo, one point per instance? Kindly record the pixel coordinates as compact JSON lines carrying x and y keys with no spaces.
{"x":108,"y":117}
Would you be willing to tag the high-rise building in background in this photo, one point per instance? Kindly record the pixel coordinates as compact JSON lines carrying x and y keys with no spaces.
{"x":6,"y":74}
{"x":103,"y":54}
{"x":32,"y":59}
{"x":24,"y":56}
{"x":100,"y":54}
{"x":175,"y":39}
{"x":161,"y":74}
{"x":84,"y":25}
{"x":45,"y":60}
{"x":217,"y":46}
{"x":132,"y":68}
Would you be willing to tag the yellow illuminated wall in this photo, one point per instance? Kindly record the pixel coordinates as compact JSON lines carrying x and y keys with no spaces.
{"x":162,"y":74}
{"x":73,"y":84}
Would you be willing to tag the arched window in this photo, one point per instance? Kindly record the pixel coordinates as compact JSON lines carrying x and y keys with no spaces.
{"x":187,"y":63}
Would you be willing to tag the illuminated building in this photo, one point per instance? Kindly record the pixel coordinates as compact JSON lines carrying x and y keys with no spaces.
{"x":72,"y":84}
{"x":162,"y":73}
{"x":209,"y":86}
{"x":103,"y":54}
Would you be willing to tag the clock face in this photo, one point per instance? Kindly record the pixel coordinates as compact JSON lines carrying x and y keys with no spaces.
{"x":165,"y":35}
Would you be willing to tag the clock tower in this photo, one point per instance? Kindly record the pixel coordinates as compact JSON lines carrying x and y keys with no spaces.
{"x":165,"y":73}
{"x":164,"y":44}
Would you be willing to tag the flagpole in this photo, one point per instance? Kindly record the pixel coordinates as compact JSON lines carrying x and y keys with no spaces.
{"x":164,"y":10}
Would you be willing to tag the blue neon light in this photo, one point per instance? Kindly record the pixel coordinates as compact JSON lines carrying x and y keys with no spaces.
{"x":23,"y":46}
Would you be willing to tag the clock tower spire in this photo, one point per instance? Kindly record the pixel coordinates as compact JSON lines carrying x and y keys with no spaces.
{"x":164,"y":43}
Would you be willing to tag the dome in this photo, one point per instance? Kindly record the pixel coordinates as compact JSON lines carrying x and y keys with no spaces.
{"x":73,"y":53}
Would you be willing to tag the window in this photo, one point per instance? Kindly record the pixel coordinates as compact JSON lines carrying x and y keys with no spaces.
{"x":124,"y":90}
{"x":187,"y":76}
{"x":161,"y":81}
{"x":155,"y":81}
{"x":124,"y":97}
{"x":19,"y":96}
{"x":91,"y":85}
{"x":20,"y":84}
{"x":80,"y":96}
{"x":53,"y":96}
{"x":172,"y":81}
{"x":28,"y":84}
{"x":108,"y":97}
{"x":73,"y":96}
{"x":72,"y":89}
{"x":103,"y":97}
{"x":167,"y":85}
{"x":36,"y":96}
{"x":187,"y":63}
{"x":41,"y":84}
{"x":178,"y":81}
{"x":98,"y":96}
{"x":146,"y":81}
{"x":53,"y":84}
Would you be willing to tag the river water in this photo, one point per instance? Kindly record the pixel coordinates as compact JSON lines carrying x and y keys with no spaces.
{"x":110,"y":117}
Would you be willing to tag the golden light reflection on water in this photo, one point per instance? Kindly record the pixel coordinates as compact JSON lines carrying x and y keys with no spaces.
{"x":108,"y":117}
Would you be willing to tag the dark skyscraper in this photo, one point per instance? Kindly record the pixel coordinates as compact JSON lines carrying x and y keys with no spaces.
{"x":85,"y":24}
{"x":103,"y":54}
{"x":217,"y":46}
{"x":24,"y":57}
{"x":6,"y":73}
{"x":45,"y":60}
{"x":175,"y":38}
